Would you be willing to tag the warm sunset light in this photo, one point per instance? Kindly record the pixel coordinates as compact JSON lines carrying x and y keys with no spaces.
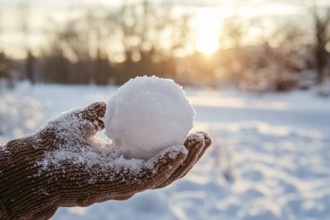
{"x":106,"y":100}
{"x":206,"y":44}
{"x":208,"y":24}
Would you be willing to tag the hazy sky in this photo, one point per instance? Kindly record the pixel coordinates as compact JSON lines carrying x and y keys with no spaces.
{"x":209,"y":15}
{"x":58,"y":4}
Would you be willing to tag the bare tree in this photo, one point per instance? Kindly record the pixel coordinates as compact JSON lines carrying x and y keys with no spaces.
{"x":321,"y":18}
{"x":150,"y":35}
{"x":290,"y":36}
{"x":25,"y":27}
{"x":100,"y":35}
{"x":233,"y":59}
{"x":1,"y":32}
{"x":6,"y":73}
{"x":55,"y":64}
{"x":233,"y":30}
{"x":80,"y":43}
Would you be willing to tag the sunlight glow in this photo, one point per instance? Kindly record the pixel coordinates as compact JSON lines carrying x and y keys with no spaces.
{"x":207,"y":44}
{"x":207,"y":26}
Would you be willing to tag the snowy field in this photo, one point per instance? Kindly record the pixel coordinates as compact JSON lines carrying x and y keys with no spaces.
{"x":270,"y":157}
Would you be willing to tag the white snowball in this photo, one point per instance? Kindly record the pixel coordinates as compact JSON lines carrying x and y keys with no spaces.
{"x":146,"y":115}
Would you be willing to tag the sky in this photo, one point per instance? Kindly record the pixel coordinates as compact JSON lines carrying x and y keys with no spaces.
{"x":207,"y":20}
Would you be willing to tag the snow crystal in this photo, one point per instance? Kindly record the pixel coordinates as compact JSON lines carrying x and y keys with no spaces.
{"x":99,"y":162}
{"x":148,"y":114}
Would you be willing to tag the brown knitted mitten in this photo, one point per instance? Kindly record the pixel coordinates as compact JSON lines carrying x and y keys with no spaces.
{"x":63,"y":165}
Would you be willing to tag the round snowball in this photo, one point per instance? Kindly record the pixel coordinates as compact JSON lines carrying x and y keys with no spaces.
{"x":146,"y":115}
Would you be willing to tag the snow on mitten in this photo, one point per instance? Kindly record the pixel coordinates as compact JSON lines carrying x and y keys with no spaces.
{"x":63,"y":165}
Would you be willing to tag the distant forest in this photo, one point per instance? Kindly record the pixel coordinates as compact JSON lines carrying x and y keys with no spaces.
{"x":152,"y":39}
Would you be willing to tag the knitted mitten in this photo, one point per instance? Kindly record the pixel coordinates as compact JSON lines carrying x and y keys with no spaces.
{"x":63,"y":165}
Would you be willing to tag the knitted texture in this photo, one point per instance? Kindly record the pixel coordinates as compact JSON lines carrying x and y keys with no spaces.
{"x":62,"y":166}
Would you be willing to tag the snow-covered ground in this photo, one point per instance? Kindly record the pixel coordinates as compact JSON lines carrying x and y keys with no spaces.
{"x":270,"y":157}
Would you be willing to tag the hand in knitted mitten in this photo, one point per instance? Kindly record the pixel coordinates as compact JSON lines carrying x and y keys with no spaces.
{"x":62,"y":165}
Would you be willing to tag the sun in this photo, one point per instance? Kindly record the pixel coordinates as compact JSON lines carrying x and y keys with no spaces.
{"x":206,"y":44}
{"x":207,"y":32}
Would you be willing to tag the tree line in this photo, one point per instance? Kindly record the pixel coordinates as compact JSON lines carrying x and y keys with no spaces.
{"x":105,"y":46}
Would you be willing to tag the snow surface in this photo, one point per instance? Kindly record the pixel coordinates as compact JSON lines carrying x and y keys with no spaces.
{"x":270,"y":157}
{"x":146,"y":115}
{"x":19,"y":114}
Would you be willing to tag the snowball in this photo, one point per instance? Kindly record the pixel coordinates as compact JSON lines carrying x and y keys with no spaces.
{"x":146,"y":115}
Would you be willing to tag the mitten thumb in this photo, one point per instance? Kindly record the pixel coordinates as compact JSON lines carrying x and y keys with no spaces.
{"x":91,"y":118}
